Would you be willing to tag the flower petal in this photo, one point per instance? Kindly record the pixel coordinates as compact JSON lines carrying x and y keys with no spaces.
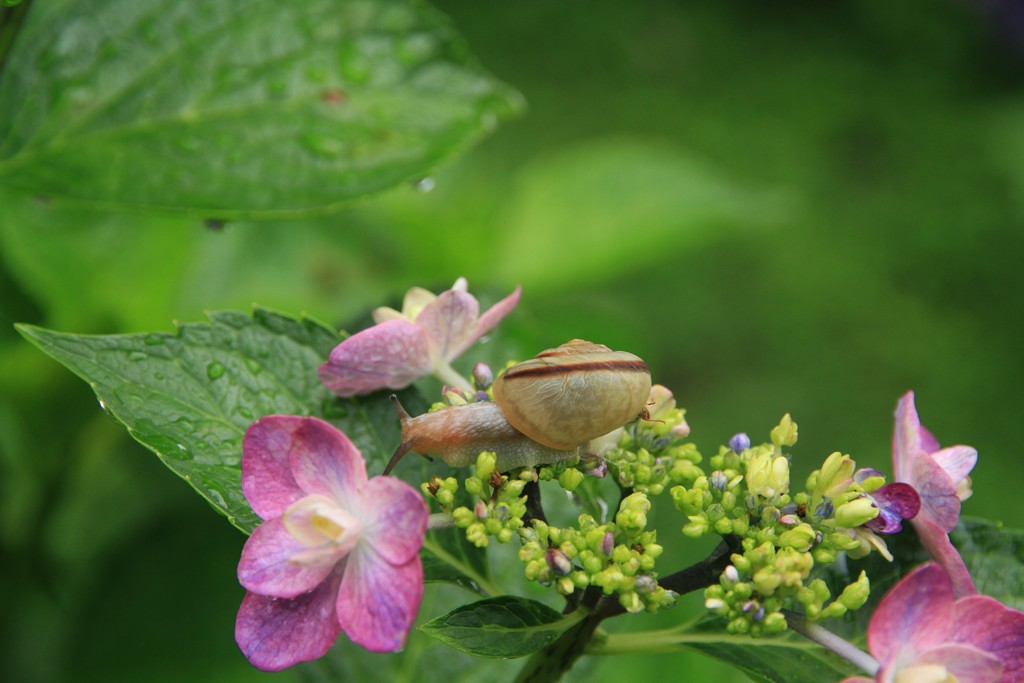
{"x":967,"y":663}
{"x":390,"y":355}
{"x":906,"y":439}
{"x":937,"y":543}
{"x":377,"y":601}
{"x":956,"y":461}
{"x":987,"y":624}
{"x":325,"y":461}
{"x":493,"y":316}
{"x":265,"y":565}
{"x":396,"y":523}
{"x":939,"y":500}
{"x":916,"y":613}
{"x":449,"y":322}
{"x":274,"y":634}
{"x":267,"y":480}
{"x":896,"y":501}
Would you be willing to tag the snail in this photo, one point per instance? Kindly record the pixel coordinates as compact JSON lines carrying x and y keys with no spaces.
{"x":545,"y":410}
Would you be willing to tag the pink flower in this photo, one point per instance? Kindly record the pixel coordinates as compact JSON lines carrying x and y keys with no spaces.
{"x":940,"y":478}
{"x":921,"y":634}
{"x":336,"y":552}
{"x":423,"y":339}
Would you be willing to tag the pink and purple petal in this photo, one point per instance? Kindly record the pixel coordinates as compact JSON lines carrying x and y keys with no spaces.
{"x":939,"y":500}
{"x":936,"y":542}
{"x":906,"y":439}
{"x":390,"y":355}
{"x":325,"y":461}
{"x":274,"y":634}
{"x":449,"y":322}
{"x":267,"y":480}
{"x":394,"y":517}
{"x":989,"y":625}
{"x":895,"y":502}
{"x":916,"y":613}
{"x":486,"y":322}
{"x":378,"y":601}
{"x":966,"y":663}
{"x":266,"y":567}
{"x":956,"y":461}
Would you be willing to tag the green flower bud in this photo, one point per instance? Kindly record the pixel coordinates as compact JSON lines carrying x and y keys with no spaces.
{"x":505,"y":535}
{"x":785,"y":433}
{"x":800,"y":537}
{"x":766,"y":580}
{"x":565,"y":586}
{"x":514,"y":488}
{"x":857,"y":593}
{"x":463,"y":517}
{"x":773,"y":623}
{"x":474,"y":485}
{"x":697,"y":527}
{"x":477,"y":535}
{"x":631,"y":602}
{"x":445,"y":498}
{"x":485,"y":463}
{"x":723,"y":526}
{"x":835,"y":475}
{"x":767,"y":474}
{"x":856,"y":513}
{"x":570,"y":479}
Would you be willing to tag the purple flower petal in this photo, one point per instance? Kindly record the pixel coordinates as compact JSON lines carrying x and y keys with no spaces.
{"x":324,"y":461}
{"x":987,"y":624}
{"x":915,"y":614}
{"x":937,"y":543}
{"x":267,"y":480}
{"x":449,"y":322}
{"x":377,"y":601}
{"x":956,"y":461}
{"x":396,"y":524}
{"x":939,"y":501}
{"x":265,"y":567}
{"x":906,"y":439}
{"x":390,"y":355}
{"x":967,"y":663}
{"x":274,"y":634}
{"x":895,"y":502}
{"x":492,"y":317}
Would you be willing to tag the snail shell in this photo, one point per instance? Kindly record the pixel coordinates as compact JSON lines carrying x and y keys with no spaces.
{"x":573,"y":393}
{"x":545,"y":409}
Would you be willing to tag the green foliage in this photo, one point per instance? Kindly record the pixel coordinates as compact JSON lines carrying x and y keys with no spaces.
{"x":504,"y":627}
{"x":228,"y":108}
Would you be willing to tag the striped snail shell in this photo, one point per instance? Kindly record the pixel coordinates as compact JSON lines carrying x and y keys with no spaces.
{"x":545,"y":409}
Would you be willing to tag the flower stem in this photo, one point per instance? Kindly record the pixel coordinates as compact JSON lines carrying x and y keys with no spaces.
{"x":831,"y":641}
{"x":446,"y":374}
{"x":440,"y":520}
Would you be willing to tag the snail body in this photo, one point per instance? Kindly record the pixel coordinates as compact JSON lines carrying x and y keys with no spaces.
{"x":545,"y":410}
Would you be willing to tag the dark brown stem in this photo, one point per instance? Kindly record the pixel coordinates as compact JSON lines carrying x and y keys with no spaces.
{"x":534,"y":509}
{"x":548,"y":665}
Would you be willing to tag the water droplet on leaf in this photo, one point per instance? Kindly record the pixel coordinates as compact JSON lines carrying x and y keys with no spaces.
{"x":253,"y":365}
{"x":153,"y":340}
{"x":214,"y":370}
{"x":322,"y":145}
{"x":424,"y":185}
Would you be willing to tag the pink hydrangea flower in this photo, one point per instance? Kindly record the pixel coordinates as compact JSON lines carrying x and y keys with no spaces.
{"x":940,"y":478}
{"x":423,"y":339}
{"x":921,"y":633}
{"x":336,"y":551}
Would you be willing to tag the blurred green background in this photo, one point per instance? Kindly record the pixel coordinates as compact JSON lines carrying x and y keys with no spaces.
{"x":783,"y":207}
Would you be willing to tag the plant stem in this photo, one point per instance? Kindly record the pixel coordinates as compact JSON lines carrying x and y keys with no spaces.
{"x":447,"y":374}
{"x":548,"y":665}
{"x":831,"y":641}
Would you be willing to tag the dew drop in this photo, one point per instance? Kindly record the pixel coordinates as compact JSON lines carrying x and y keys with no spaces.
{"x":253,"y":365}
{"x":424,"y":185}
{"x":185,"y":425}
{"x":136,"y":356}
{"x":245,"y":412}
{"x":214,"y":370}
{"x":153,"y":340}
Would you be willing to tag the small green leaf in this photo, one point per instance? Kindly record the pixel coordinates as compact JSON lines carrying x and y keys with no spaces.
{"x":190,"y":396}
{"x":237,"y":108}
{"x":505,"y":627}
{"x":447,"y":556}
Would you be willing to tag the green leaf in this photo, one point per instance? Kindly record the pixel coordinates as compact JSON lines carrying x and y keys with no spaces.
{"x":504,"y":626}
{"x":237,"y":108}
{"x":190,"y":396}
{"x":786,"y":659}
{"x":995,"y":557}
{"x":448,"y":557}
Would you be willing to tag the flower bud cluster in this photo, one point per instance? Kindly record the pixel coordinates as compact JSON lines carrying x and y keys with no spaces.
{"x":650,"y":453}
{"x":783,"y":533}
{"x":500,"y":503}
{"x":617,"y":557}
